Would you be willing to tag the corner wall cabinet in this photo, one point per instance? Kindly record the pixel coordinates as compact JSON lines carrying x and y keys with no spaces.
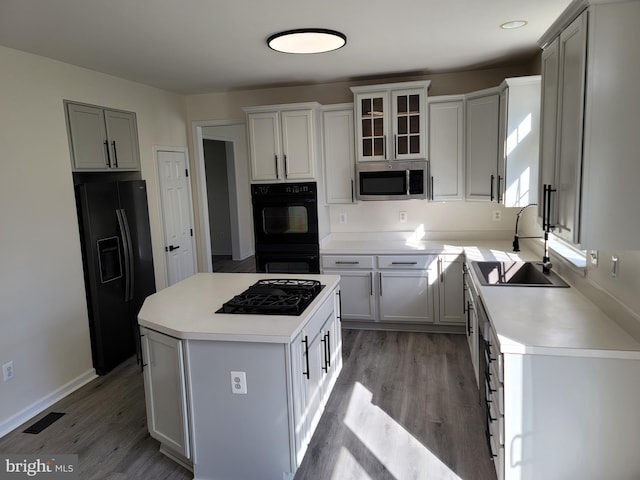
{"x":591,"y":75}
{"x":102,"y":139}
{"x":283,"y":142}
{"x":339,"y":153}
{"x":391,"y":121}
{"x":519,"y":141}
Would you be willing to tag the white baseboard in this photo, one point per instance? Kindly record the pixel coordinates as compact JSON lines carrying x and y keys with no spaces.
{"x":45,"y":402}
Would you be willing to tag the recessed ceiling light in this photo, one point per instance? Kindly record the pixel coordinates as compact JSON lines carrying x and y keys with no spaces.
{"x":513,"y":24}
{"x":307,"y":40}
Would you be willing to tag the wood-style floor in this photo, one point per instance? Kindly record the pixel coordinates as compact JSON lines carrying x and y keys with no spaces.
{"x":404,"y":407}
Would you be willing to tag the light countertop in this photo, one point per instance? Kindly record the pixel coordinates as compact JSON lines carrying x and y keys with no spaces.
{"x":531,"y":320}
{"x":187,"y":309}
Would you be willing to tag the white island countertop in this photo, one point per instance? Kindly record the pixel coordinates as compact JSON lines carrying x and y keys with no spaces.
{"x":527,"y":320}
{"x":187,"y":310}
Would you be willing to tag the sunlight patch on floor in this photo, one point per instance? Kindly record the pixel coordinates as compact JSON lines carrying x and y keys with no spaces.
{"x":348,"y":468}
{"x":395,"y":448}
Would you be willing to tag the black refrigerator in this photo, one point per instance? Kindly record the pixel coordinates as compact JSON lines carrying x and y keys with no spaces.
{"x":118,"y":265}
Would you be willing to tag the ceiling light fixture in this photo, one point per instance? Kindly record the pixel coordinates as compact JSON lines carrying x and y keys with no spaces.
{"x":513,"y":24}
{"x":307,"y":40}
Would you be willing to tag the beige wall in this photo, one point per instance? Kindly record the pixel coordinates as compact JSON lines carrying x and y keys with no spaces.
{"x":228,"y":105}
{"x":43,"y":312}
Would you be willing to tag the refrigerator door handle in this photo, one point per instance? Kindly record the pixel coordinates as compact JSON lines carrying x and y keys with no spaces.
{"x":127,"y":248}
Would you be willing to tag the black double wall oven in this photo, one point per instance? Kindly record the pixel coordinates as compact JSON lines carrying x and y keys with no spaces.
{"x":285,"y":221}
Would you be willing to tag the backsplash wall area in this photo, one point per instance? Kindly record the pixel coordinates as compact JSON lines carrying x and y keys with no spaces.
{"x":616,"y":296}
{"x":453,"y":220}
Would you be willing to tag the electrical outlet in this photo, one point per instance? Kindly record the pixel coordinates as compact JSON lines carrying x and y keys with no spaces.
{"x":403,"y":217}
{"x":239,"y":383}
{"x":343,"y":218}
{"x":7,"y":371}
{"x":497,"y":215}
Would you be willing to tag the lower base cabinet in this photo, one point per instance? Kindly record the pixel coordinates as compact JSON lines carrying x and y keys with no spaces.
{"x":400,"y":289}
{"x":165,"y":392}
{"x":264,"y":433}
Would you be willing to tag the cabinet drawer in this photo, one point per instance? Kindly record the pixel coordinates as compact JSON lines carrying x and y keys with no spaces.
{"x":404,"y":262}
{"x":347,"y":261}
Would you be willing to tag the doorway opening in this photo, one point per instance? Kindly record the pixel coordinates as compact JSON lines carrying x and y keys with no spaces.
{"x":224,"y":200}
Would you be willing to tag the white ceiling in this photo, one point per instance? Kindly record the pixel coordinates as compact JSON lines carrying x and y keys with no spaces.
{"x":196,"y":46}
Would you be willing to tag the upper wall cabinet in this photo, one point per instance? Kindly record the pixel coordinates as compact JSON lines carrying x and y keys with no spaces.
{"x":446,"y":147}
{"x":519,"y":141}
{"x":391,"y":121}
{"x":502,"y":142}
{"x":102,"y":139}
{"x":339,"y":153}
{"x":593,"y":156}
{"x":482,"y":139}
{"x":283,"y":142}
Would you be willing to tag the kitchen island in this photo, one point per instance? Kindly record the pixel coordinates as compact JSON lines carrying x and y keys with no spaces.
{"x":237,"y":396}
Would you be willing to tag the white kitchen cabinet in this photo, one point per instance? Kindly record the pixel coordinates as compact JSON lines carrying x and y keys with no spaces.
{"x":596,"y":167}
{"x":317,"y":361}
{"x":567,"y":160}
{"x":482,"y":139}
{"x":283,"y":142}
{"x":446,"y":147}
{"x":471,"y":306}
{"x":414,"y":289}
{"x":391,"y":121}
{"x":102,"y":139}
{"x":359,"y":298}
{"x":519,"y":141}
{"x":406,"y":296}
{"x":339,"y":153}
{"x":166,"y":392}
{"x":450,"y":289}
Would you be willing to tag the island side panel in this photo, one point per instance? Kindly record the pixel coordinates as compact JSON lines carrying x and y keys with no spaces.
{"x":239,"y":436}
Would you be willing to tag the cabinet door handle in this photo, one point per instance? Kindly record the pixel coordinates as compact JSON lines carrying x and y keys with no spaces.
{"x":345,"y":262}
{"x":353,"y":197}
{"x":106,"y":146}
{"x":286,"y":169}
{"x":404,"y":263}
{"x":276,"y":164}
{"x":499,"y":189}
{"x":339,"y":314}
{"x":324,"y":350}
{"x":491,"y":191}
{"x":432,"y":192}
{"x":380,"y":278}
{"x":371,"y":284}
{"x":328,"y":347}
{"x":384,"y":146}
{"x":115,"y":154}
{"x":441,"y":270}
{"x":306,"y":355}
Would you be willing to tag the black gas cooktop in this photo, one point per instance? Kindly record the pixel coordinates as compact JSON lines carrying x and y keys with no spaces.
{"x":278,"y":296}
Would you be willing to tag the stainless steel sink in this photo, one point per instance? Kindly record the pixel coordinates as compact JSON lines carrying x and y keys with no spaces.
{"x":516,"y":274}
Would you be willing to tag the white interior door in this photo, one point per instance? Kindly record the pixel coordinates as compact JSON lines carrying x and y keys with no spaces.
{"x":175,"y":194}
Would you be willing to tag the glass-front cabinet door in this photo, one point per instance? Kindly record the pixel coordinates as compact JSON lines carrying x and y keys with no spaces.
{"x":409,"y":124}
{"x":372,"y":126}
{"x":391,"y":121}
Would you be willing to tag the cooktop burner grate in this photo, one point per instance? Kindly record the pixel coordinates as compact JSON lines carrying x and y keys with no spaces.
{"x":274,"y":297}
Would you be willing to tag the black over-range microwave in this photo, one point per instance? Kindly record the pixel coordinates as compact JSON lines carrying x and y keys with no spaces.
{"x":392,"y":180}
